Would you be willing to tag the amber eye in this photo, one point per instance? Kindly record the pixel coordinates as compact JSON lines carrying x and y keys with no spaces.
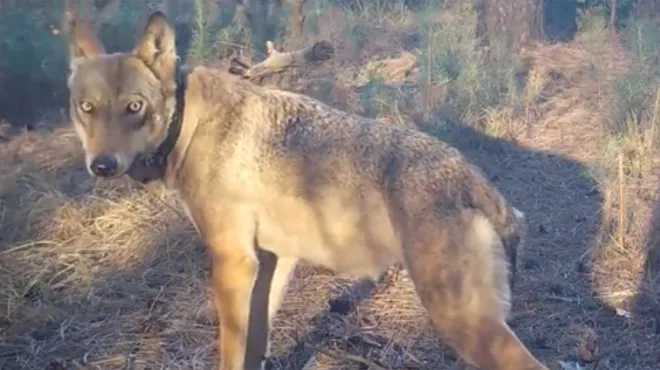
{"x":86,"y":106}
{"x":134,"y":106}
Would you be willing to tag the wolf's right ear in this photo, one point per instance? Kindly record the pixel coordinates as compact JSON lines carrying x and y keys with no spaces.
{"x":156,"y":47}
{"x":83,"y":44}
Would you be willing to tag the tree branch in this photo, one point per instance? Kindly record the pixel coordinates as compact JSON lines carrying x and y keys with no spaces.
{"x":277,"y":61}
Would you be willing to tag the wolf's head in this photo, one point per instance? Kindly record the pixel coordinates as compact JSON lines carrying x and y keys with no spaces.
{"x":121,"y":104}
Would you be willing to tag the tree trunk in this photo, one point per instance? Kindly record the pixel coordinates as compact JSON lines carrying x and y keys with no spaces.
{"x":560,"y":20}
{"x":519,"y":22}
{"x":614,"y":4}
{"x":296,"y":22}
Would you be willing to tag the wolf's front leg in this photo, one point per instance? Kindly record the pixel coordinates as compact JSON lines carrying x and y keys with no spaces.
{"x":235,"y":272}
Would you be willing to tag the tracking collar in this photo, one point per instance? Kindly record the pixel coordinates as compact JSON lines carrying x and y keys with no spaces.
{"x":149,"y":167}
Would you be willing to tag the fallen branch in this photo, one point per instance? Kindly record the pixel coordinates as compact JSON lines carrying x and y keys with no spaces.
{"x":277,"y":61}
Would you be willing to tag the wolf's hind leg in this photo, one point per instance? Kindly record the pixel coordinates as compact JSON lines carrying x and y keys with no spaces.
{"x":460,"y":272}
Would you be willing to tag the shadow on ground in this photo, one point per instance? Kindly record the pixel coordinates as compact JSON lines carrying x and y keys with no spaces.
{"x":555,"y":311}
{"x":552,"y":297}
{"x":99,"y":300}
{"x":647,"y":304}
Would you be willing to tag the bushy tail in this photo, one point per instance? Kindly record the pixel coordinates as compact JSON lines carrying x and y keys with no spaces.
{"x":470,"y":302}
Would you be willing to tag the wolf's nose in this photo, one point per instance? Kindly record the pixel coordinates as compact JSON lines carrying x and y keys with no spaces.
{"x":104,"y":166}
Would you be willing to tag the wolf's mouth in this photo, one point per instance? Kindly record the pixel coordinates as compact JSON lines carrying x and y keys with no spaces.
{"x":146,"y":168}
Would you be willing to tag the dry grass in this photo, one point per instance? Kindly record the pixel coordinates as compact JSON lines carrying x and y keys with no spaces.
{"x":108,"y":275}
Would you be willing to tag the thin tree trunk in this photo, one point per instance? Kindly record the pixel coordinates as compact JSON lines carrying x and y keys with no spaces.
{"x":296,"y":22}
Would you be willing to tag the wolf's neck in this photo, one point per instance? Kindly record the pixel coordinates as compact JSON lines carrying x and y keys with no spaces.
{"x":214,"y":104}
{"x":182,"y":135}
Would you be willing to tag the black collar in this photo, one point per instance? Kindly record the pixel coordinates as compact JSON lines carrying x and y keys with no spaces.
{"x":148,"y":167}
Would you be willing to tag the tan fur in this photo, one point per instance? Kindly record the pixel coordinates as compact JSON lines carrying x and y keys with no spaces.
{"x":262,"y":167}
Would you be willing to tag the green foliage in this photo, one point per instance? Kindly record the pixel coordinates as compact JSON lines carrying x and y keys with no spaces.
{"x":643,"y":38}
{"x":213,"y":37}
{"x":475,"y":80}
{"x":202,"y":45}
{"x":369,"y":93}
{"x":634,"y":93}
{"x":120,"y":33}
{"x":624,"y":8}
{"x":637,"y":90}
{"x":592,"y":19}
{"x":33,"y":64}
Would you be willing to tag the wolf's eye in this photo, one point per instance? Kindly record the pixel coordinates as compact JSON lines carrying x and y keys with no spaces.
{"x":86,"y":106}
{"x":134,"y":106}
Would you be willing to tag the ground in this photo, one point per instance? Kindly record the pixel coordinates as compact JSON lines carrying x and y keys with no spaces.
{"x":110,"y":275}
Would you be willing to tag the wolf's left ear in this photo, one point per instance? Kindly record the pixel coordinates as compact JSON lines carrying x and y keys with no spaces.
{"x":157,"y":47}
{"x":83,"y":44}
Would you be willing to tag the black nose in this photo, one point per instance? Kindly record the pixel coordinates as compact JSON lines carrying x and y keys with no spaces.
{"x":104,"y":166}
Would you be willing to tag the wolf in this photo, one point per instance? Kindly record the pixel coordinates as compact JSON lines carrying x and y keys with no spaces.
{"x":270,"y":177}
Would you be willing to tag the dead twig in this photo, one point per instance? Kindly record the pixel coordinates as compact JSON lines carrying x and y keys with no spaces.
{"x":277,"y":61}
